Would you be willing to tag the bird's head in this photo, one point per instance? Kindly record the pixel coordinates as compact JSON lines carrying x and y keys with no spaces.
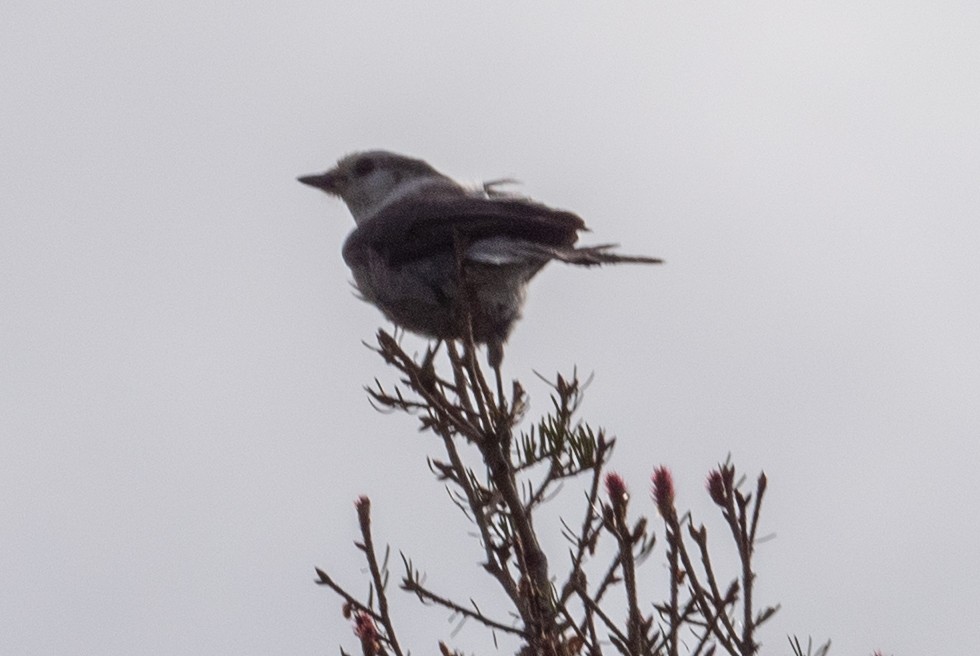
{"x":367,"y":181}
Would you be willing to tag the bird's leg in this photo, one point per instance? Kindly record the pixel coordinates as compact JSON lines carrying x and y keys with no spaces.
{"x":465,"y":298}
{"x":500,"y":388}
{"x":495,"y":355}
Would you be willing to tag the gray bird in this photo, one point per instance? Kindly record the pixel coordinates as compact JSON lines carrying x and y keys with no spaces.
{"x":421,"y":237}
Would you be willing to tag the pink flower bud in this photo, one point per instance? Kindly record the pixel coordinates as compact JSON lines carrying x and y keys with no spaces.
{"x":663,"y":490}
{"x":616,"y":488}
{"x":716,"y":487}
{"x":367,"y":633}
{"x":364,"y":626}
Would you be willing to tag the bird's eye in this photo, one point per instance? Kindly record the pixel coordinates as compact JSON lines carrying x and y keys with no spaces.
{"x":363,"y":167}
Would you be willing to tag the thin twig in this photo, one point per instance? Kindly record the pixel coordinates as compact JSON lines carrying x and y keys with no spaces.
{"x":593,"y":646}
{"x":594,"y":608}
{"x":675,"y":575}
{"x":496,"y":568}
{"x":364,"y":519}
{"x":354,"y":603}
{"x":698,"y":591}
{"x":437,"y":401}
{"x":427,"y":595}
{"x":584,"y":540}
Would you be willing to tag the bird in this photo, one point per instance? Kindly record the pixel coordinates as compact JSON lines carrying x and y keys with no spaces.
{"x":440,"y":258}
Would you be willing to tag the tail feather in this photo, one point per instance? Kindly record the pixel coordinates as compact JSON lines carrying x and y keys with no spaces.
{"x":502,"y":250}
{"x":596,"y":255}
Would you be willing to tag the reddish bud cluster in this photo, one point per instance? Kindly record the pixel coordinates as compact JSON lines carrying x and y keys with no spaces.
{"x":364,"y":626}
{"x":716,"y":487}
{"x":367,"y":632}
{"x":663,"y":490}
{"x":720,"y":484}
{"x":616,"y":488}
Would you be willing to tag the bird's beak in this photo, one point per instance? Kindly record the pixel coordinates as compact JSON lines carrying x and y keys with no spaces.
{"x":328,"y":181}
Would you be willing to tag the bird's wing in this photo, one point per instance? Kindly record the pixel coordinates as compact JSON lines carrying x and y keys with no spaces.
{"x":417,"y":228}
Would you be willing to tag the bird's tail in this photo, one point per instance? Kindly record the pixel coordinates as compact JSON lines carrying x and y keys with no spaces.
{"x":596,"y":255}
{"x":501,"y":250}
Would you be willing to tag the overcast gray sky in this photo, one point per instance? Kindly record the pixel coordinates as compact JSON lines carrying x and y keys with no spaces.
{"x":182,"y":423}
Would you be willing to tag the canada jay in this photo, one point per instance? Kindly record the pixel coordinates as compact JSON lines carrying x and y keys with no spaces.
{"x":421,"y":238}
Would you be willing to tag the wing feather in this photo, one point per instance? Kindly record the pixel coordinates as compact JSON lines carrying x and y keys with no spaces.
{"x":418,"y":228}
